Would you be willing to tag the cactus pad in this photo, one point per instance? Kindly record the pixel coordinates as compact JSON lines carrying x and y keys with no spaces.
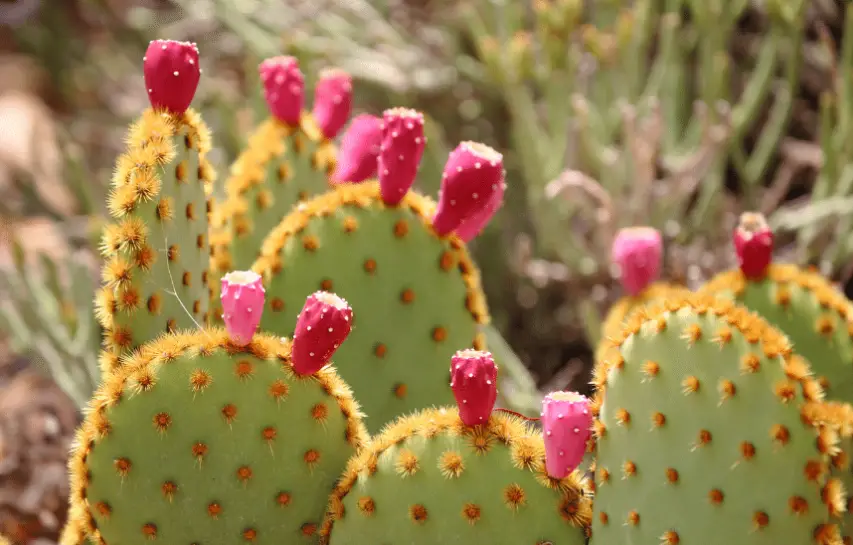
{"x":197,"y":440}
{"x":281,"y":166}
{"x":155,"y":275}
{"x":430,"y":479}
{"x":709,"y":431}
{"x":815,"y":316}
{"x":417,"y":297}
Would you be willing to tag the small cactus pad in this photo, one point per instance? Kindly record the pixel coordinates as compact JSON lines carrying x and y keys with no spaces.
{"x":429,"y":479}
{"x":198,"y":440}
{"x":814,"y":315}
{"x":710,"y":431}
{"x":417,"y":297}
{"x":156,"y":251}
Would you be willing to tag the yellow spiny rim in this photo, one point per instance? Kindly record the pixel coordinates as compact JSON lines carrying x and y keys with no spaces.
{"x":779,"y":273}
{"x":140,"y":368}
{"x":526,"y":449}
{"x":269,"y":142}
{"x":829,"y":420}
{"x":363,"y":195}
{"x":125,"y":244}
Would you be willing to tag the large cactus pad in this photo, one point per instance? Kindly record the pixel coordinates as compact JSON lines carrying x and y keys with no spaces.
{"x":281,"y":166}
{"x":429,"y":479}
{"x":416,"y":297}
{"x":710,"y":432}
{"x":199,"y":441}
{"x":155,"y":275}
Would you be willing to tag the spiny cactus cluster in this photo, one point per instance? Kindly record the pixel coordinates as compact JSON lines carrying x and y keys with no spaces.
{"x":205,"y":429}
{"x":707,"y":425}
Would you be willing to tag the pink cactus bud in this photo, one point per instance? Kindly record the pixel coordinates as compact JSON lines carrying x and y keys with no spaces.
{"x":324,"y":323}
{"x":332,"y":101}
{"x":284,"y":88}
{"x":754,"y":245}
{"x":242,"y":297}
{"x":637,"y":253}
{"x":403,"y":144}
{"x":566,"y":425}
{"x":171,"y":74}
{"x":475,"y":224}
{"x":357,"y":156}
{"x":473,"y":174}
{"x":474,"y":380}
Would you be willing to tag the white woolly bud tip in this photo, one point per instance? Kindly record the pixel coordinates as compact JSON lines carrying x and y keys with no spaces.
{"x":332,"y":300}
{"x":241,"y":278}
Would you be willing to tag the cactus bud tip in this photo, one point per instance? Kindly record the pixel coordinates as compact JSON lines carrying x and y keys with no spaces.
{"x":474,"y":383}
{"x":753,"y":241}
{"x":359,"y":150}
{"x":324,"y":323}
{"x":566,"y":428}
{"x":171,"y":72}
{"x":242,"y":296}
{"x":400,"y":153}
{"x":637,"y":253}
{"x":284,"y":88}
{"x":332,"y":101}
{"x":472,"y":175}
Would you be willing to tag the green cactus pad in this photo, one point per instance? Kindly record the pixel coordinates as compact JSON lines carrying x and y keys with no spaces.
{"x":157,"y":253}
{"x":429,"y":479}
{"x":814,"y":315}
{"x":196,"y":440}
{"x":710,"y":431}
{"x":611,"y":328}
{"x":281,"y":166}
{"x":416,"y":298}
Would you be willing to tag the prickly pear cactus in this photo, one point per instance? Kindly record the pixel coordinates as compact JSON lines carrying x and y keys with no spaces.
{"x":458,"y":477}
{"x":418,"y":282}
{"x":289,"y":157}
{"x":156,"y":251}
{"x":813,"y":314}
{"x":699,"y":417}
{"x":200,"y":440}
{"x":802,"y":304}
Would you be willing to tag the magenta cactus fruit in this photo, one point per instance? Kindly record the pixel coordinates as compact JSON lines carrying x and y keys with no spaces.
{"x":474,"y":225}
{"x":400,"y":154}
{"x":324,"y":323}
{"x":242,"y":297}
{"x":171,"y":74}
{"x":474,"y":381}
{"x":284,"y":88}
{"x":637,"y":252}
{"x":332,"y":101}
{"x":753,"y":242}
{"x":473,"y":173}
{"x":357,"y":156}
{"x":566,"y":428}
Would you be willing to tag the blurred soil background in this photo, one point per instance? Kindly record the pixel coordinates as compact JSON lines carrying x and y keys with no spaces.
{"x":549,"y":82}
